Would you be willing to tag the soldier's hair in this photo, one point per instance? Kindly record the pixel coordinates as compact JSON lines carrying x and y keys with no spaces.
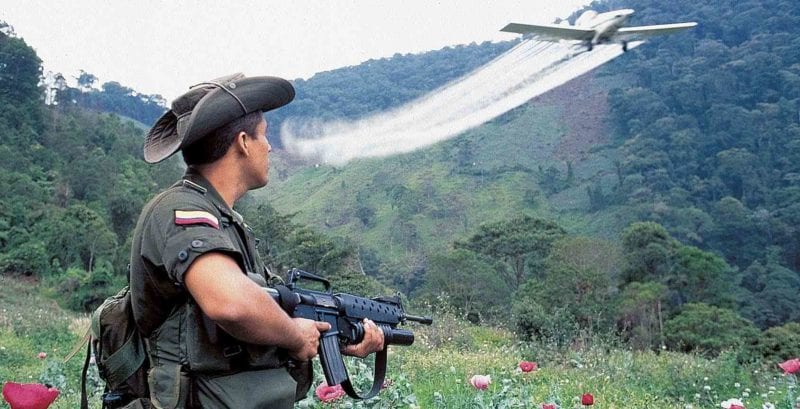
{"x":214,"y":146}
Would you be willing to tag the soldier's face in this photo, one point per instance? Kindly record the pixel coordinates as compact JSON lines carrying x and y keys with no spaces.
{"x":261,"y":152}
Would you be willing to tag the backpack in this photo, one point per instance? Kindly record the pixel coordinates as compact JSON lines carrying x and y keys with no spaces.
{"x":120,"y":354}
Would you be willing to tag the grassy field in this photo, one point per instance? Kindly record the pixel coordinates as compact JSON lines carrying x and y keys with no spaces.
{"x":435,"y":372}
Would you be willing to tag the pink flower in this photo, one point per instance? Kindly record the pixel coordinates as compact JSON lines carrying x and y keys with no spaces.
{"x":527,"y":366}
{"x":587,"y":399}
{"x":29,"y":395}
{"x":42,"y":355}
{"x":549,"y":406}
{"x":480,"y":381}
{"x":732,"y":404}
{"x":791,"y":366}
{"x":327,"y":393}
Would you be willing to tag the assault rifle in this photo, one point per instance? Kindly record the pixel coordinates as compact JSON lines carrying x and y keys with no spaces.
{"x":345,"y":313}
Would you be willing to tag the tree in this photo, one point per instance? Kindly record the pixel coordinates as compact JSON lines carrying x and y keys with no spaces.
{"x":313,"y":252}
{"x":771,"y":291}
{"x":86,"y":81}
{"x":700,"y":276}
{"x":648,"y":248}
{"x":708,"y":329}
{"x":776,"y":344}
{"x":20,"y":70}
{"x":472,"y":284}
{"x":640,"y":316}
{"x":588,"y":254}
{"x":77,"y":237}
{"x":514,"y":241}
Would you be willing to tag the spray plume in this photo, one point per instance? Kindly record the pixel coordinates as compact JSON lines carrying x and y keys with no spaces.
{"x":529,"y":69}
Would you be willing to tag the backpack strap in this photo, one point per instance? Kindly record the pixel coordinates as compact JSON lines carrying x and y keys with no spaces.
{"x":126,"y":360}
{"x":84,"y":395}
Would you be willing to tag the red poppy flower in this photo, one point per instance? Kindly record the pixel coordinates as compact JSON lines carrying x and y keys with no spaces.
{"x":587,"y":399}
{"x":791,"y":366}
{"x":29,"y":395}
{"x":327,"y":393}
{"x":527,"y":366}
{"x":549,"y":406}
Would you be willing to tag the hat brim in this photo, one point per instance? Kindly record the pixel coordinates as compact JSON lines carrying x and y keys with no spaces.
{"x":214,"y":110}
{"x":162,"y":140}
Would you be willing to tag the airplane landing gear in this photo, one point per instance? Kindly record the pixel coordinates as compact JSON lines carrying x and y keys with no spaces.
{"x":624,"y":46}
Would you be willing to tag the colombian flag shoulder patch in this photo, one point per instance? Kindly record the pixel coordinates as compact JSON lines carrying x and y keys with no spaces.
{"x":195,"y":217}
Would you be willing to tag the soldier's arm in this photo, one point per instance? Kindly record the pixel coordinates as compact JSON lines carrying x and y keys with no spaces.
{"x":244,"y":310}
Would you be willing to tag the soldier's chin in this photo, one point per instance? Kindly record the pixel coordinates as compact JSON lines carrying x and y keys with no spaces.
{"x":261,"y":183}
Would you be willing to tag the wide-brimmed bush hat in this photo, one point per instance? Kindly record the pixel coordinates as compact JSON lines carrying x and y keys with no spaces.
{"x":210,"y":105}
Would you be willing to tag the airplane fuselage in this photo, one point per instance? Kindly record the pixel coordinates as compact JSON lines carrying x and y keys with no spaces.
{"x":606,"y":25}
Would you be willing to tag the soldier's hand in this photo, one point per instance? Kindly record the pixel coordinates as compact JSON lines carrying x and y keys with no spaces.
{"x":310,"y":331}
{"x":372,"y":342}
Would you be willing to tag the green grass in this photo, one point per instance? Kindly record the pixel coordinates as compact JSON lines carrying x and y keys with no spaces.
{"x":435,"y":371}
{"x":30,"y":324}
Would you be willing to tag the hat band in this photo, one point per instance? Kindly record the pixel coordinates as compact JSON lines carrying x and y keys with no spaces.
{"x":222,"y":87}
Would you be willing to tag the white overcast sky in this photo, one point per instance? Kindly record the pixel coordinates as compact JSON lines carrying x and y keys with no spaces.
{"x":162,"y":47}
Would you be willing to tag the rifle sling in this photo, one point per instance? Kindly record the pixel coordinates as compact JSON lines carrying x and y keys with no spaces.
{"x":377,"y":381}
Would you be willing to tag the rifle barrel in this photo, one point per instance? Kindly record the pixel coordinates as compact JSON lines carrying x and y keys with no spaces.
{"x":416,"y":318}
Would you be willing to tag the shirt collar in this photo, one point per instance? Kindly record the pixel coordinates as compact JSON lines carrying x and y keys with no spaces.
{"x":194,"y":176}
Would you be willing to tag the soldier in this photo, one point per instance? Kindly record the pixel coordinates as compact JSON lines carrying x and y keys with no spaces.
{"x":215,"y":339}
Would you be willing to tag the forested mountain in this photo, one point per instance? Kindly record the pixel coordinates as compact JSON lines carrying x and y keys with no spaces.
{"x":703,"y":127}
{"x":641,"y":199}
{"x":72,"y":181}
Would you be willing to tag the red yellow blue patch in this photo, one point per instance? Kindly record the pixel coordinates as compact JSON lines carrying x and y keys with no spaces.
{"x":195,"y":217}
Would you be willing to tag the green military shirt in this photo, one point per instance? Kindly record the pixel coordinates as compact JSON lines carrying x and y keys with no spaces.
{"x":187,"y":350}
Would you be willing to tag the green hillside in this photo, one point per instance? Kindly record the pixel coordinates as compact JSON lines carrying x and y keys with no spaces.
{"x":695,"y":131}
{"x":407,"y":207}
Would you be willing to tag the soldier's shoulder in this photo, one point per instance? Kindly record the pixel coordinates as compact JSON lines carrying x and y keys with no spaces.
{"x":181,"y":196}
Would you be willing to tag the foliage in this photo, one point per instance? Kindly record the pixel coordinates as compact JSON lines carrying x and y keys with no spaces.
{"x":770,"y":296}
{"x":514,"y":242}
{"x":573,"y":296}
{"x":776,"y":344}
{"x":708,"y":329}
{"x":111,"y":97}
{"x":73,"y":184}
{"x":473,"y":285}
{"x":709,"y":126}
{"x":690,"y":274}
{"x":640,"y":316}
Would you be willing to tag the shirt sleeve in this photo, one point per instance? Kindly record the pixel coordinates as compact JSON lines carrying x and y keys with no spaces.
{"x":173,"y":240}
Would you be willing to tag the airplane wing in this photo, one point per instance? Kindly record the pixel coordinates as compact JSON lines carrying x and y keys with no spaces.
{"x":551,"y":31}
{"x":647,"y":31}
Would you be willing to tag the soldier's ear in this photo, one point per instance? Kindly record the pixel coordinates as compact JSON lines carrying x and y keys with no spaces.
{"x":241,"y":143}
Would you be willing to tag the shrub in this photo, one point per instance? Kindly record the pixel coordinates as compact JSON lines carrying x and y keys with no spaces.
{"x":533,"y":321}
{"x":776,"y":344}
{"x":84,"y":291}
{"x":708,"y":329}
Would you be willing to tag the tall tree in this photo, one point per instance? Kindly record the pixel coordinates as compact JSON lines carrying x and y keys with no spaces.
{"x":514,"y":242}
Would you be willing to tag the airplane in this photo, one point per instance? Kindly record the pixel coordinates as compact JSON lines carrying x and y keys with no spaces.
{"x":592,"y":29}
